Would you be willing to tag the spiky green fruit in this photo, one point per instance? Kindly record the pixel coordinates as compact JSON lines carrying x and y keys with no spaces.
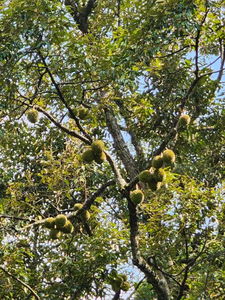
{"x":125,"y":286}
{"x":159,"y":175}
{"x":88,"y":156}
{"x":85,"y":215}
{"x":145,"y":176}
{"x":97,"y":147}
{"x":184,"y":120}
{"x":33,"y":115}
{"x":54,"y":233}
{"x":136,"y":196}
{"x":68,"y":228}
{"x":169,"y":156}
{"x":100,"y":158}
{"x":50,"y":223}
{"x":77,"y":206}
{"x":157,"y":161}
{"x":60,"y":221}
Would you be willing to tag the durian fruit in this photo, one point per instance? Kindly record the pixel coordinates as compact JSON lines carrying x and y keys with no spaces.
{"x":49,"y":223}
{"x":145,"y":176}
{"x":100,"y":158}
{"x":88,"y":156}
{"x":68,"y":228}
{"x":97,"y":147}
{"x":136,"y":196}
{"x":60,"y":221}
{"x":157,"y":161}
{"x":125,"y":286}
{"x":85,"y":215}
{"x":55,"y":233}
{"x":169,"y":156}
{"x":33,"y":115}
{"x":184,"y":120}
{"x":159,"y":175}
{"x":77,"y":206}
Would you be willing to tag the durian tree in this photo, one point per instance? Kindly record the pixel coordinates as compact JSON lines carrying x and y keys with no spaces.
{"x":112,"y":149}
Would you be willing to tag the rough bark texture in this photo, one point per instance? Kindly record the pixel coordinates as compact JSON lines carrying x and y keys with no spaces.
{"x":120,"y":145}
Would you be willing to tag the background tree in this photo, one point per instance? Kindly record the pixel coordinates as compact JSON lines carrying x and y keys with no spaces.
{"x":143,"y":77}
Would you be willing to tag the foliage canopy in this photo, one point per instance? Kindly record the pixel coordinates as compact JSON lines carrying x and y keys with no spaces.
{"x":112,"y":79}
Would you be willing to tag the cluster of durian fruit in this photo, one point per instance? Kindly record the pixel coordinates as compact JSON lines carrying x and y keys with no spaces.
{"x":58,"y":225}
{"x":118,"y":281}
{"x":155,"y":176}
{"x":94,"y":153}
{"x":33,"y":115}
{"x":80,"y":112}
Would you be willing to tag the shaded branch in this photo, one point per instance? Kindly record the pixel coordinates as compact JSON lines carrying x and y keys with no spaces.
{"x":197,"y":44}
{"x":86,"y":205}
{"x":182,"y":287}
{"x":136,"y":288}
{"x":58,"y":124}
{"x":81,"y":17}
{"x":21,"y":282}
{"x":222,"y":55}
{"x":16,"y":218}
{"x":62,"y":97}
{"x":116,"y":296}
{"x":156,"y":279}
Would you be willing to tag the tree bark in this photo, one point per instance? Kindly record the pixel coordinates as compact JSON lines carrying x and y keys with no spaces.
{"x":120,"y":145}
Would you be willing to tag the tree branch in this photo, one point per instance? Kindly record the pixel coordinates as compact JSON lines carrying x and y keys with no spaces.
{"x":120,"y":145}
{"x":182,"y":287}
{"x":81,"y":18}
{"x":58,"y":124}
{"x":86,"y":205}
{"x":62,"y":97}
{"x":14,"y":217}
{"x":21,"y":282}
{"x":156,"y":279}
{"x":122,"y":183}
{"x":222,"y":55}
